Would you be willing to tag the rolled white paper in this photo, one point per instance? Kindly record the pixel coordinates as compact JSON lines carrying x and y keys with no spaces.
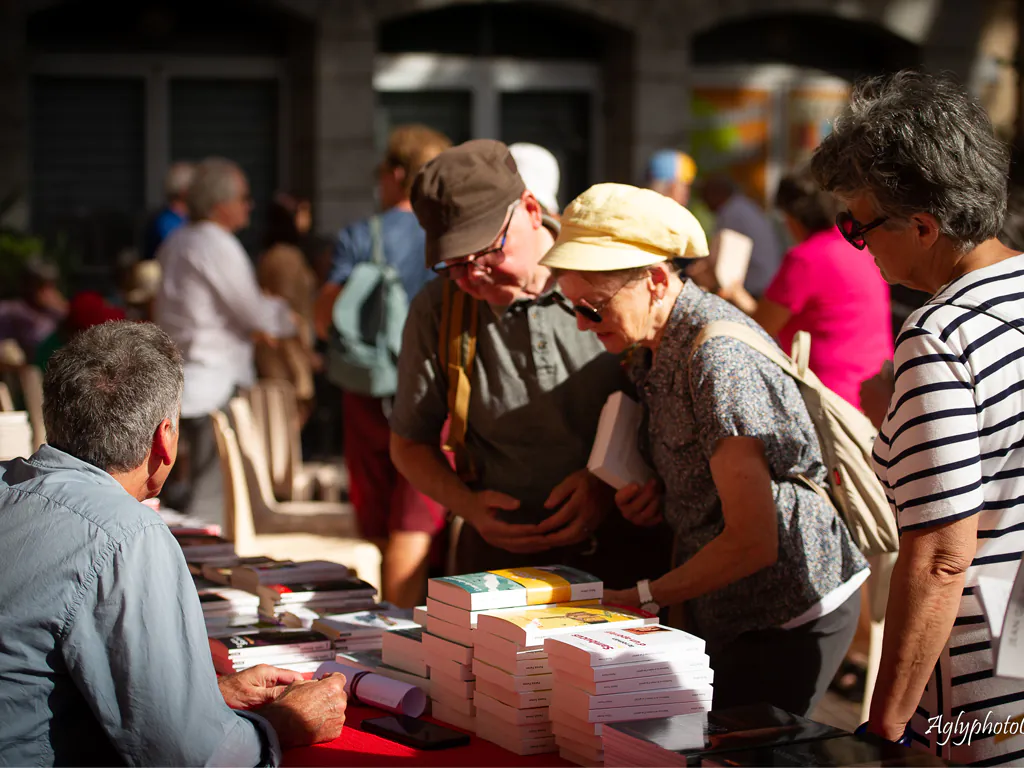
{"x":377,"y":690}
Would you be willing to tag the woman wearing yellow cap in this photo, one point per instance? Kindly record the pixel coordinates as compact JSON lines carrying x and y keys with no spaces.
{"x":769,"y":575}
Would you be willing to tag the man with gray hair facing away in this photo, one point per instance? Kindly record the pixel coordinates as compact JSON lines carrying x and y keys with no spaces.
{"x":105,"y":659}
{"x":211,"y":306}
{"x":174,"y":213}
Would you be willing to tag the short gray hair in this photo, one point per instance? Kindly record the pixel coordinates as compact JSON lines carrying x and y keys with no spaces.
{"x":215,"y":181}
{"x":108,"y":389}
{"x":917,"y":143}
{"x":178,"y":180}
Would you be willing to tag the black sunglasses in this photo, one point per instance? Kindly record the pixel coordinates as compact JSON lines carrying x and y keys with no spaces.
{"x":593,"y":314}
{"x":854,"y":231}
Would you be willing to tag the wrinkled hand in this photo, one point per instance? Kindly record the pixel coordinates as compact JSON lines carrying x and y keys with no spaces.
{"x":582,"y":501}
{"x":875,"y":394}
{"x":481,"y":511}
{"x":309,"y":711}
{"x":641,"y":506}
{"x":256,"y":686}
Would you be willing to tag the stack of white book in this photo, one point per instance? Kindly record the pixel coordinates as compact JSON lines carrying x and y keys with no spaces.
{"x":403,"y":649}
{"x":515,"y":695}
{"x":623,"y":674}
{"x":362,"y":630}
{"x":225,"y":607}
{"x":454,"y":606}
{"x":295,"y":649}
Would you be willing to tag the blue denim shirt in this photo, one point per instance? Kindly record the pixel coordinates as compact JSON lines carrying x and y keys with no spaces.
{"x":104,"y":657}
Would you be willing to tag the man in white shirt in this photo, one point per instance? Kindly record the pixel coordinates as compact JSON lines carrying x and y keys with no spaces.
{"x":210,"y":304}
{"x":734,"y":210}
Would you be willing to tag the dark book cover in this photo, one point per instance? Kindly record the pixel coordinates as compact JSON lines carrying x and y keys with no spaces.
{"x":274,"y":639}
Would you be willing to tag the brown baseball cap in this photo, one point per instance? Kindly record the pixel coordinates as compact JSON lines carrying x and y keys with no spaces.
{"x":462,"y":196}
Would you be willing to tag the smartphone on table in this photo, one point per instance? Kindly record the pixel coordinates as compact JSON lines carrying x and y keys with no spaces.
{"x":415,"y":733}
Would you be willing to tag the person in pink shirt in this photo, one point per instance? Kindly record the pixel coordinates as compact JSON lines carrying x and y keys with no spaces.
{"x":826,"y":287}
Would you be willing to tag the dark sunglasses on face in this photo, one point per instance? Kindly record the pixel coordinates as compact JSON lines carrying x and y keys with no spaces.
{"x":587,"y":312}
{"x":483,"y":260}
{"x":854,"y":231}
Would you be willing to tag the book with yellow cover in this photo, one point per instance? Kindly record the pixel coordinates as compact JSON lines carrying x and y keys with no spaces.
{"x":531,"y":626}
{"x":515,"y":587}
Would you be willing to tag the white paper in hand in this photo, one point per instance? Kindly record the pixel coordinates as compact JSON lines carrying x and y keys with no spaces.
{"x":730,"y":257}
{"x":377,"y":690}
{"x":615,"y":457}
{"x":1010,"y":646}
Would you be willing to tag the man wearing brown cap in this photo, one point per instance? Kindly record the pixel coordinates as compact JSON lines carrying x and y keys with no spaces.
{"x":535,"y":385}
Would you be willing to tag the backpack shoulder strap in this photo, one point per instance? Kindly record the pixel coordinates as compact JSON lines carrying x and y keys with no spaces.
{"x":376,"y":242}
{"x":457,"y":352}
{"x":748,"y":336}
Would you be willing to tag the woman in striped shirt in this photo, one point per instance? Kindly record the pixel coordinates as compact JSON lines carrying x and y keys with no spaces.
{"x":915,"y":161}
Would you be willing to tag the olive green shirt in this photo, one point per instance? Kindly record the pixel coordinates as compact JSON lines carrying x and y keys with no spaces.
{"x":538,"y":386}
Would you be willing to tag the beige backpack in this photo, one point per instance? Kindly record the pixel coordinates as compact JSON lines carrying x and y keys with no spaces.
{"x":846,"y":437}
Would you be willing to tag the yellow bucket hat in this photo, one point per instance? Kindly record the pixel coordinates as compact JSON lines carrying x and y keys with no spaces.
{"x":617,"y":226}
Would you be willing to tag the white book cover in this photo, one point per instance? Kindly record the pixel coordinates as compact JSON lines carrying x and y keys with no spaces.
{"x":510,"y":664}
{"x":300,"y":617}
{"x":510,"y":714}
{"x":730,"y":252}
{"x":512,"y":683}
{"x":598,"y":647}
{"x":524,"y":700}
{"x":460,"y":617}
{"x":615,"y":456}
{"x":437,"y":649}
{"x":440,"y":628}
{"x":419,"y":615}
{"x":371,"y":661}
{"x":406,"y":663}
{"x":632,"y":684}
{"x":579,"y":702}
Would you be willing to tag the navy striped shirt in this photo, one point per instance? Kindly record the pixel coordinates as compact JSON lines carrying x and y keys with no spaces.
{"x":952,"y":446}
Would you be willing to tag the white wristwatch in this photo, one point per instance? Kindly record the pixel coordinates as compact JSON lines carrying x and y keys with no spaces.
{"x":643,"y":589}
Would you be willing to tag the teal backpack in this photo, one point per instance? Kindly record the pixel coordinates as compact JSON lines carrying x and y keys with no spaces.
{"x":368,"y":315}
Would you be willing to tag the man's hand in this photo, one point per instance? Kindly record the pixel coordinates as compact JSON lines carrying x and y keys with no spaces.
{"x":309,"y":711}
{"x":256,"y":686}
{"x":481,"y":511}
{"x":582,"y":501}
{"x":641,"y":506}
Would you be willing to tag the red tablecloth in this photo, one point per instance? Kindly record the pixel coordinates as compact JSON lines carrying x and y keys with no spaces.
{"x":356,"y":748}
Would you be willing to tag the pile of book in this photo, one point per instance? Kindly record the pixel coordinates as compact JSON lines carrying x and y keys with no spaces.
{"x":512,"y":698}
{"x":361,"y":630}
{"x":623,"y":674}
{"x":454,"y":607}
{"x":373,"y":661}
{"x":295,"y":649}
{"x":318,"y":585}
{"x":219,"y":570}
{"x":402,"y":649}
{"x":201,"y":544}
{"x":226,"y":607}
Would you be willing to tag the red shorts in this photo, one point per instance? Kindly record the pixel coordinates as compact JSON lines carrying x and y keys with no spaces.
{"x":383,"y":499}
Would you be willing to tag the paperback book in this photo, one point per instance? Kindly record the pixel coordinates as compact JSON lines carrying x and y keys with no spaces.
{"x":515,"y":587}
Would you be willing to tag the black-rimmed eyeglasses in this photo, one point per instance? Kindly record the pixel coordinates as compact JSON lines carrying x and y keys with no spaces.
{"x":854,"y":231}
{"x":484,"y":260}
{"x":586,"y":311}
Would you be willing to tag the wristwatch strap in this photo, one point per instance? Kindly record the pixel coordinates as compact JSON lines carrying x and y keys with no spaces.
{"x":643,"y":588}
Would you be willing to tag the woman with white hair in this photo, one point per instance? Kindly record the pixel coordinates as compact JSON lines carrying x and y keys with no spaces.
{"x":768,"y":572}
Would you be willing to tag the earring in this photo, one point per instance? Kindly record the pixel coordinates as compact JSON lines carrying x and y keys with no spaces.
{"x":657,"y":302}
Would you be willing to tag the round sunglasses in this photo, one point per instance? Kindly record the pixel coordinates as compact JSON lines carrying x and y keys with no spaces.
{"x":854,"y":231}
